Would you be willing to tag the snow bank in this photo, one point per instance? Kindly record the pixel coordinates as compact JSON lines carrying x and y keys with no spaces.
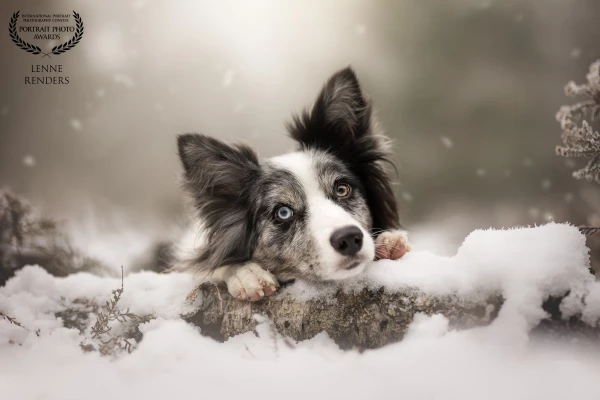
{"x":525,"y":265}
{"x":497,"y":362}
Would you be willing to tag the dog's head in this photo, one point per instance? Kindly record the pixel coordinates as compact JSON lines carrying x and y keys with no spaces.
{"x":310,"y":214}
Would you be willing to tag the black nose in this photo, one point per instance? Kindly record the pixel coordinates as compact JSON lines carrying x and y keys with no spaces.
{"x":347,"y":240}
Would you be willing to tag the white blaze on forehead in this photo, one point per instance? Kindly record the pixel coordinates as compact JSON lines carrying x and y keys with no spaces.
{"x":325,"y":216}
{"x":301,"y":165}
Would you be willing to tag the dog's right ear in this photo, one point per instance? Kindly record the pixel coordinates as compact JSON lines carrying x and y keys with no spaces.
{"x":218,"y":177}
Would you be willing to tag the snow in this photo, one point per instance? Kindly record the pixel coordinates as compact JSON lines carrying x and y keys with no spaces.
{"x":76,"y":124}
{"x":29,"y":161}
{"x":447,"y":142}
{"x":546,"y":184}
{"x":569,"y":197}
{"x":139,"y":4}
{"x":124,"y":80}
{"x":238,"y":107}
{"x":228,"y":78}
{"x":499,"y":361}
{"x":534,"y":212}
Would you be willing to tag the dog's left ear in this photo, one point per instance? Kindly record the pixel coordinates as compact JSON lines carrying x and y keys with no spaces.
{"x":341,"y":122}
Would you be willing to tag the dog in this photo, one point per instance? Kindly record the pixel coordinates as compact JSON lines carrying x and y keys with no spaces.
{"x":321,"y":213}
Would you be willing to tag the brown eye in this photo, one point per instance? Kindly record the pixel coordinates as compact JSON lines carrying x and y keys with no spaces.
{"x":342,"y":190}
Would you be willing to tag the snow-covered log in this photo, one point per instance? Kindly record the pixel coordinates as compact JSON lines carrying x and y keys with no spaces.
{"x":536,"y":279}
{"x":365,"y":319}
{"x":537,"y":275}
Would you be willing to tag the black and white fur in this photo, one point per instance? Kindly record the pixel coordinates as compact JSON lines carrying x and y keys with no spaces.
{"x":335,"y":186}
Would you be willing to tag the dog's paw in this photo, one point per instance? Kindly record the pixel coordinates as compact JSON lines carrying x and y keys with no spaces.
{"x":392,"y":245}
{"x":251,"y":282}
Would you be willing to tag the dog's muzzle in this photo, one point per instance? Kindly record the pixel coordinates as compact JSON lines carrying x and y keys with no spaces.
{"x":347,"y":240}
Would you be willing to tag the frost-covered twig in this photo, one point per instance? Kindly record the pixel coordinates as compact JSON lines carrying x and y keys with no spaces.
{"x":116,"y":343}
{"x":111,"y":313}
{"x":11,"y":320}
{"x":582,"y":141}
{"x":14,"y":321}
{"x":589,"y":230}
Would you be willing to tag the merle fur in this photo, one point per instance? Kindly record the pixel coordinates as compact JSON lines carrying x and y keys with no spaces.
{"x":220,"y":178}
{"x":341,"y":122}
{"x":234,"y":195}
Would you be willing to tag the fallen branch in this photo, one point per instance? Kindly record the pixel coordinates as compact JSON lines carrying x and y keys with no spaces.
{"x":364,"y":320}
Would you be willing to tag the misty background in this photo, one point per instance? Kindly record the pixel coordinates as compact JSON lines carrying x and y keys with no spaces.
{"x":467,"y":89}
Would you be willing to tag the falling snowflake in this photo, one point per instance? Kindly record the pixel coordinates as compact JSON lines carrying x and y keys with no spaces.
{"x":447,"y":142}
{"x":361,"y":29}
{"x":138,"y":4}
{"x":527,"y":162}
{"x":238,"y":107}
{"x":534,"y":213}
{"x":76,"y":124}
{"x":407,"y":196}
{"x":569,"y":197}
{"x":570,"y":163}
{"x":484,"y":5}
{"x":548,"y":216}
{"x":546,"y":184}
{"x":575,"y":53}
{"x":29,"y":161}
{"x":507,"y":172}
{"x":100,"y":92}
{"x":124,"y":80}
{"x":228,"y":77}
{"x":480,"y":172}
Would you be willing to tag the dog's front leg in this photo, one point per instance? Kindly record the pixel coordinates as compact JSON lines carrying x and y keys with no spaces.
{"x":247,"y":281}
{"x":392,"y":245}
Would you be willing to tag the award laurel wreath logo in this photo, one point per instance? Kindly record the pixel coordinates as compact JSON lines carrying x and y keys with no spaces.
{"x":56,"y":50}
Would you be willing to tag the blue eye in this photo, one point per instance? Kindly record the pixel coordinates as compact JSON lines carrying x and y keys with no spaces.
{"x":284,"y":213}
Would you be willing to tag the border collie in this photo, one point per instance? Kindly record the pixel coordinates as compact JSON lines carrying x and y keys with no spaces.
{"x":321,"y":213}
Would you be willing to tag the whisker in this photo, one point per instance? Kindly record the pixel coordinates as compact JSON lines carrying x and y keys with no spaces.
{"x":377,"y":232}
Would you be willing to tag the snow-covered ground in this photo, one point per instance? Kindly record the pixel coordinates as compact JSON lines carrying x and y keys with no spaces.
{"x":173,"y":360}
